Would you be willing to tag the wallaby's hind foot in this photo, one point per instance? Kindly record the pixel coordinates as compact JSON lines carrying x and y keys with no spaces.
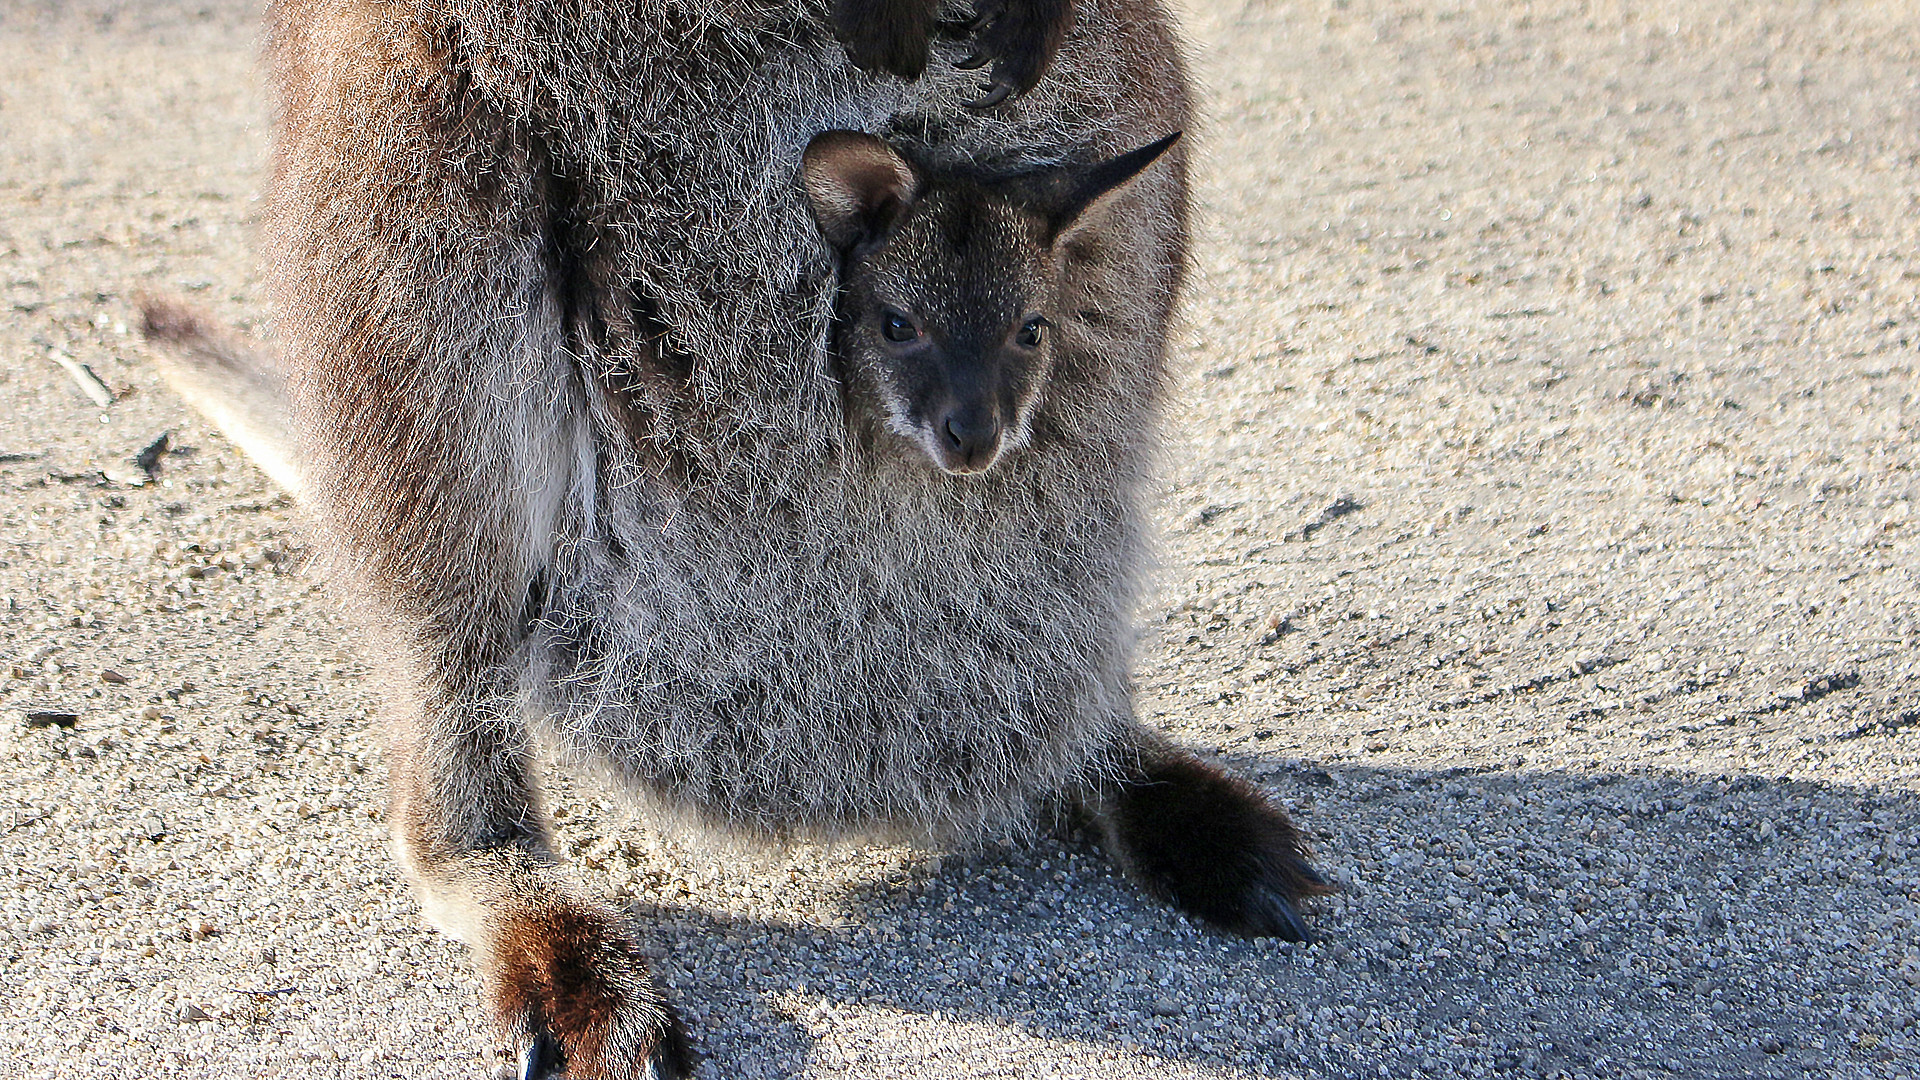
{"x":570,"y":988}
{"x":1209,"y":843}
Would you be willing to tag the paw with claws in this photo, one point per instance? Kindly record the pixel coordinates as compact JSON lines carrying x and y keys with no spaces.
{"x":1019,"y":38}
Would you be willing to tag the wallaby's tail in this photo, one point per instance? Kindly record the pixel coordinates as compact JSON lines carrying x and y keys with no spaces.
{"x":230,"y":384}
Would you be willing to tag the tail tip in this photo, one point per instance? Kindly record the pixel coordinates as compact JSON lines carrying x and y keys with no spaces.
{"x":169,"y":321}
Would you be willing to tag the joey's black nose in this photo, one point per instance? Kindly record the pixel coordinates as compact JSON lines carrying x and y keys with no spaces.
{"x":971,"y":439}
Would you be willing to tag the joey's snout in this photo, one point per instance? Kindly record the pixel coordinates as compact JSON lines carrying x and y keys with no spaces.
{"x":966,"y":410}
{"x":967,"y":439}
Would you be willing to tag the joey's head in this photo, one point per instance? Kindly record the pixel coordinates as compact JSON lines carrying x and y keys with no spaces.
{"x":948,"y":309}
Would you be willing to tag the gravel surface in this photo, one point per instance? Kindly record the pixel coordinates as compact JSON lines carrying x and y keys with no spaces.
{"x":1540,"y":527}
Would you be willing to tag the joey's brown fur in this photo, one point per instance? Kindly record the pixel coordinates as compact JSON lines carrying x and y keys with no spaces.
{"x":556,"y":321}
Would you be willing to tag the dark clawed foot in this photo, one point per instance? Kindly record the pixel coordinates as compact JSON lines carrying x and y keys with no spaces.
{"x":1018,"y":37}
{"x":1021,"y":37}
{"x":886,"y":35}
{"x":992,"y":93}
{"x":1312,"y":877}
{"x":1270,"y":914}
{"x":1212,"y":845}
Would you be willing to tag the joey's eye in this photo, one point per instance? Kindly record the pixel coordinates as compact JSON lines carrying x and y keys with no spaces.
{"x":897,"y":327}
{"x":1032,"y":331}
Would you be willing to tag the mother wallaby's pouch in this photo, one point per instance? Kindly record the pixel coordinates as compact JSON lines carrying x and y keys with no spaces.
{"x":557,"y":320}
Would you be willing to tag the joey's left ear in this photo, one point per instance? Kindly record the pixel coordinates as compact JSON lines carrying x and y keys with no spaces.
{"x":1068,"y":194}
{"x":857,"y":185}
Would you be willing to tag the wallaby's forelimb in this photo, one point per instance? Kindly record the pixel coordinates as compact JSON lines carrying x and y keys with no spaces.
{"x":1020,"y":38}
{"x":886,"y":35}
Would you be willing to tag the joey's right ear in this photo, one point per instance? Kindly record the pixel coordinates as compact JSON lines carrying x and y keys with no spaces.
{"x":857,"y":185}
{"x":1066,"y":195}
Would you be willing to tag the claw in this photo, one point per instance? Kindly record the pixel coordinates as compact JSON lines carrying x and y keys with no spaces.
{"x":543,"y":1059}
{"x":962,"y":28}
{"x":1272,"y":915}
{"x":975,"y":59}
{"x":1306,"y":870}
{"x":993,"y":94}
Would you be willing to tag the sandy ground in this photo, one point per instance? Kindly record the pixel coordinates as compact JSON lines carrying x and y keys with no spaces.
{"x":1539,"y":525}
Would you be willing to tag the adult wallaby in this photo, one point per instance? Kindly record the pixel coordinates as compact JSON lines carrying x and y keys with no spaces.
{"x":576,"y":441}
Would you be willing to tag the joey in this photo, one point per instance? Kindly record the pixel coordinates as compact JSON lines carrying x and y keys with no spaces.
{"x":950,"y":293}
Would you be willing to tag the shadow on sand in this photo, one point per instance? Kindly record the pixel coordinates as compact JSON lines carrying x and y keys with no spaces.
{"x":1526,"y":923}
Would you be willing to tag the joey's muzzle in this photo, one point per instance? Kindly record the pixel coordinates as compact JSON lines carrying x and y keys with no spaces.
{"x":967,"y":439}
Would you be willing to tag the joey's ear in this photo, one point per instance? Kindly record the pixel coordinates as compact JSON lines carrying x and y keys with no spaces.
{"x":1066,"y":195}
{"x":857,"y":185}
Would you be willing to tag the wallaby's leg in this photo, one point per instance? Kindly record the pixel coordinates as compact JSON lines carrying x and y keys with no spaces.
{"x":1204,"y":840}
{"x":449,"y":535}
{"x":414,"y":229}
{"x":563,"y":975}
